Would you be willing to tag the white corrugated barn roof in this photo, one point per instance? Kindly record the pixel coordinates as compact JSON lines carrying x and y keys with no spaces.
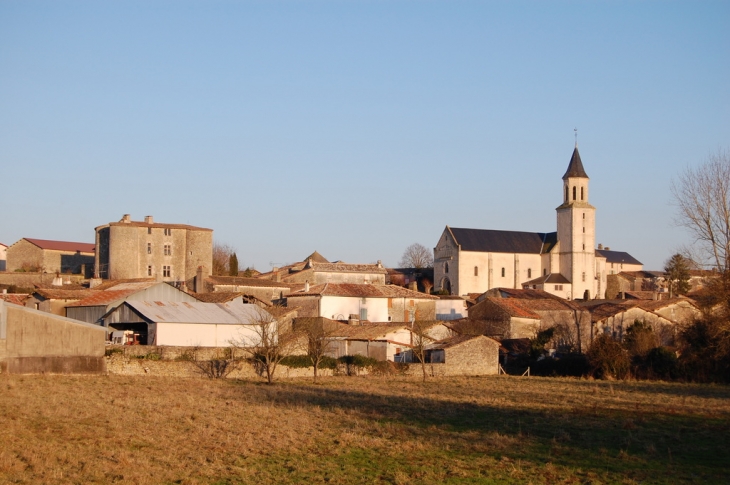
{"x":234,"y":312}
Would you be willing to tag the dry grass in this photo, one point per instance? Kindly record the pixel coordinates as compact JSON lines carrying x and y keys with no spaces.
{"x":60,"y":429}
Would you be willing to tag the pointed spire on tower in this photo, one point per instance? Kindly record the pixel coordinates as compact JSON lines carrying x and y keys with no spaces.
{"x":575,"y":167}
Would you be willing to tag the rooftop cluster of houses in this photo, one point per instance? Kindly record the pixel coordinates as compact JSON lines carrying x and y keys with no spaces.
{"x":151,"y":283}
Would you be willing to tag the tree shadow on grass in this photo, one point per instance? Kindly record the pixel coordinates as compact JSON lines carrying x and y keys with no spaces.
{"x":658,"y":447}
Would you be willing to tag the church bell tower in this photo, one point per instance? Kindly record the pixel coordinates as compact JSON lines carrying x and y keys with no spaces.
{"x":577,"y":231}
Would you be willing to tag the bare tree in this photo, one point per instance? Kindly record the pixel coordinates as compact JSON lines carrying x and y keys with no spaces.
{"x":419,"y":341}
{"x":318,"y":335}
{"x":221,"y":259}
{"x":268,"y":341}
{"x":702,"y":196}
{"x":416,"y":256}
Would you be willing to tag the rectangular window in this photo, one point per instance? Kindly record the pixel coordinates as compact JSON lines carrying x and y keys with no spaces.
{"x":168,"y":231}
{"x":363,"y":313}
{"x":166,"y":271}
{"x":149,"y":270}
{"x":476,"y":271}
{"x":558,"y":287}
{"x":168,"y":250}
{"x":503,"y":272}
{"x":584,"y":277}
{"x":149,"y":230}
{"x":529,"y":272}
{"x":149,"y":248}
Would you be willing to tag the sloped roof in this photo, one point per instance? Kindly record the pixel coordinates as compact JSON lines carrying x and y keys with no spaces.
{"x":555,"y":278}
{"x":493,"y":241}
{"x":234,"y":312}
{"x":64,"y":294}
{"x":362,"y":291}
{"x":107,"y":285}
{"x":115,"y":293}
{"x":617,"y":257}
{"x":575,"y":167}
{"x":241,"y":281}
{"x":156,"y":225}
{"x":456,"y":340}
{"x":316,"y":258}
{"x":62,"y":245}
{"x":348,"y":268}
{"x":16,"y":298}
{"x":217,"y":296}
{"x":366,"y":332}
{"x":511,"y":306}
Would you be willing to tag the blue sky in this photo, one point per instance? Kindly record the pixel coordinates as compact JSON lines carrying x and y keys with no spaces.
{"x":355,"y":128}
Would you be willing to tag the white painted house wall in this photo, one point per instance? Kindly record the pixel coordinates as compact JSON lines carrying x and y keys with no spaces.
{"x":204,"y":334}
{"x":340,"y":307}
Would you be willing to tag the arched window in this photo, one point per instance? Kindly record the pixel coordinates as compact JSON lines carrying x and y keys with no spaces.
{"x":574,"y":192}
{"x":581,"y":193}
{"x":476,"y":270}
{"x":529,"y":272}
{"x":446,"y":267}
{"x":502,"y":272}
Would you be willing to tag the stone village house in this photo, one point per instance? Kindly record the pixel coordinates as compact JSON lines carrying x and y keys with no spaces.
{"x":45,"y":256}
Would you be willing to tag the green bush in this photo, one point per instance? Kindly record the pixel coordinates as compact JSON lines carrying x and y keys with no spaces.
{"x":113,"y":350}
{"x":608,"y":358}
{"x":153,"y":356}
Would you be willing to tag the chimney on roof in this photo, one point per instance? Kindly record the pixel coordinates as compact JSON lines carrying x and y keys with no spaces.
{"x":607,"y":248}
{"x":600,"y":246}
{"x":148,"y":220}
{"x":275,"y":277}
{"x":380,"y":264}
{"x":306,"y":286}
{"x":126,"y":218}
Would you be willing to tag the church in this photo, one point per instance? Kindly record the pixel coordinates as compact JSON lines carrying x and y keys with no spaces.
{"x":565,"y":263}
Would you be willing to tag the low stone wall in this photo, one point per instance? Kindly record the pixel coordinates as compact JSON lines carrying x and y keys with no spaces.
{"x":180,"y":362}
{"x":27,"y":280}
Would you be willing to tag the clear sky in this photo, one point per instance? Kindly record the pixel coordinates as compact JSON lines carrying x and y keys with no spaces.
{"x":355,"y":128}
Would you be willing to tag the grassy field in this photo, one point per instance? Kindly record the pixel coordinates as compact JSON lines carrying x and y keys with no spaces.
{"x":113,"y":429}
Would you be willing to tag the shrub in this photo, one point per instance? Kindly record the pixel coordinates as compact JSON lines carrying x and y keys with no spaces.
{"x":387,"y":368}
{"x":608,"y":359}
{"x":113,"y":350}
{"x":640,"y":339}
{"x":354,"y":363}
{"x":568,"y":365}
{"x":663,"y":363}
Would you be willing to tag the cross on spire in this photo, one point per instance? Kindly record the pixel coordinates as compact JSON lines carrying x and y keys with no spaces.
{"x":576,"y":136}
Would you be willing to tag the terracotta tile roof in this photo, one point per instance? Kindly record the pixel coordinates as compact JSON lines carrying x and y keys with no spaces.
{"x":348,"y":268}
{"x":362,"y":291}
{"x":513,"y":307}
{"x":217,"y":296}
{"x":103,"y":298}
{"x":640,"y":295}
{"x":456,"y":340}
{"x":156,"y":225}
{"x":62,"y":245}
{"x":241,"y":281}
{"x":366,"y":332}
{"x":106,"y":285}
{"x":15,"y":298}
{"x":653,"y":305}
{"x":64,"y":294}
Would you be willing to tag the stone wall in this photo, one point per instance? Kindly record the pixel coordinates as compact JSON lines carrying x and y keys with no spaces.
{"x":35,"y":342}
{"x":24,"y":255}
{"x":28,"y":280}
{"x":179,"y":362}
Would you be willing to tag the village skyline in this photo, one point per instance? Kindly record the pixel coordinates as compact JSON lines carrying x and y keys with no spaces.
{"x":355,"y":129}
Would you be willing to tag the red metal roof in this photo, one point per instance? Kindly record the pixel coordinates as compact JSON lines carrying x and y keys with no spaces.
{"x":62,"y":245}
